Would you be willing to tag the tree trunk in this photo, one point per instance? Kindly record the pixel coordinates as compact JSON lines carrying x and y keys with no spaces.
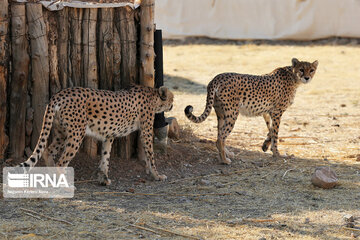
{"x":75,"y":46}
{"x":147,"y":43}
{"x":106,"y":48}
{"x":62,"y":44}
{"x":20,"y":72}
{"x":89,"y":65}
{"x":4,"y":57}
{"x":39,"y":66}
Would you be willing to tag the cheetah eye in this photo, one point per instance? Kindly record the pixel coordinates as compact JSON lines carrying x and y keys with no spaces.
{"x":312,"y":70}
{"x":301,"y":70}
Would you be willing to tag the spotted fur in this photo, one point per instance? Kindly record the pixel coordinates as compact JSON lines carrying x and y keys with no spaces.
{"x":105,"y":115}
{"x":268,"y":95}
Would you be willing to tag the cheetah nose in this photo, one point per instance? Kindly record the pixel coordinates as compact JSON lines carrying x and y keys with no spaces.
{"x":307,"y":78}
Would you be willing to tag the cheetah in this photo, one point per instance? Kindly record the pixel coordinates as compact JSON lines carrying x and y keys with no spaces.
{"x":268,"y":95}
{"x":104,"y":115}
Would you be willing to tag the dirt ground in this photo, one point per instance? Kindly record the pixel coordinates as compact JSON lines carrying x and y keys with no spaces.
{"x":257,"y":197}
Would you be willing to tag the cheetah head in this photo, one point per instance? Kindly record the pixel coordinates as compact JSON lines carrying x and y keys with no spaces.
{"x":165,"y":101}
{"x":304,"y":71}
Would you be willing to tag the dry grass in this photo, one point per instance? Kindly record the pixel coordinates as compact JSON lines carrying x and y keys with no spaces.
{"x":257,"y":196}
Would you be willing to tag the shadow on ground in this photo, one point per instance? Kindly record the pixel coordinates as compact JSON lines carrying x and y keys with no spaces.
{"x":201,"y":198}
{"x":184,"y":85}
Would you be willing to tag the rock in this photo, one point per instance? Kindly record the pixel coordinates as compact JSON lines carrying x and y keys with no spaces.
{"x":349,"y":218}
{"x":174,"y":128}
{"x":324,"y":177}
{"x":204,"y":182}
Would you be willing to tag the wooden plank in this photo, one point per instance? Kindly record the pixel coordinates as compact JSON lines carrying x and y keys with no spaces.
{"x":89,"y":65}
{"x":62,"y":44}
{"x":147,"y":43}
{"x":106,"y":50}
{"x":75,"y":15}
{"x":19,"y":80}
{"x":4,"y":58}
{"x":39,"y":66}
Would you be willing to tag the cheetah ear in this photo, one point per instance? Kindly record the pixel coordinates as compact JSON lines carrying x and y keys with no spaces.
{"x":315,"y":63}
{"x":294,"y":62}
{"x":163,"y":92}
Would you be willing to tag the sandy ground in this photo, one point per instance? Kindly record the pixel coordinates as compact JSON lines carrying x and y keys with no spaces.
{"x":257,"y":197}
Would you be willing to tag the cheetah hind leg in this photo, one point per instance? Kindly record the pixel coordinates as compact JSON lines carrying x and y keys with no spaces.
{"x":57,"y":145}
{"x":220,"y":144}
{"x":267,"y":141}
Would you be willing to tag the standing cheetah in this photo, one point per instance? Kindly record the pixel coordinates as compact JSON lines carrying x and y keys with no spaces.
{"x":268,"y":95}
{"x":76,"y":112}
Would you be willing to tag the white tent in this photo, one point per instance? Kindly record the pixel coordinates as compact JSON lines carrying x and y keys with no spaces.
{"x":258,"y":19}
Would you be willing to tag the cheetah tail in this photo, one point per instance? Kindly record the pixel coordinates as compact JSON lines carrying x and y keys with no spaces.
{"x":208,"y":107}
{"x":44,"y":136}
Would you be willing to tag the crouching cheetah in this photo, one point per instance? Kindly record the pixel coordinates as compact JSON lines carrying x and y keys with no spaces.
{"x":268,"y":95}
{"x":76,"y":112}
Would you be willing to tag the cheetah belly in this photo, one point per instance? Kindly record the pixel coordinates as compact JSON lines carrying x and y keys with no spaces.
{"x":92,"y":133}
{"x":249,"y":112}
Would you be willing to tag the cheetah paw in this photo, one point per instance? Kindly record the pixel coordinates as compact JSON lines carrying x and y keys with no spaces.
{"x":266,"y":145}
{"x":104,"y":180}
{"x":230,"y":154}
{"x":161,"y":178}
{"x":227,"y":161}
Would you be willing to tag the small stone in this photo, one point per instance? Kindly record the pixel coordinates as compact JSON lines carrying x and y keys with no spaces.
{"x":343,"y":105}
{"x":307,"y":220}
{"x":324,"y":177}
{"x":349,"y":218}
{"x":204,"y":182}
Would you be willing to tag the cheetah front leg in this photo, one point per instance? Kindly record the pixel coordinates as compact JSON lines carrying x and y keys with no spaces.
{"x":275,"y":117}
{"x":267,"y":141}
{"x":146,"y":135}
{"x":104,"y":162}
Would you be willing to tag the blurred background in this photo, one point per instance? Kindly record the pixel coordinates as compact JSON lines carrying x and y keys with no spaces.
{"x":258,"y":19}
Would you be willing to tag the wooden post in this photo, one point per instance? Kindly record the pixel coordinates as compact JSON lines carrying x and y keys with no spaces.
{"x":125,"y":24}
{"x":62,"y":44}
{"x":20,"y":72}
{"x":39,"y":66}
{"x":147,"y":55}
{"x":52,"y":34}
{"x":89,"y":65}
{"x":147,"y":43}
{"x":106,"y":52}
{"x":116,"y":56}
{"x":75,"y":46}
{"x":4,"y":57}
